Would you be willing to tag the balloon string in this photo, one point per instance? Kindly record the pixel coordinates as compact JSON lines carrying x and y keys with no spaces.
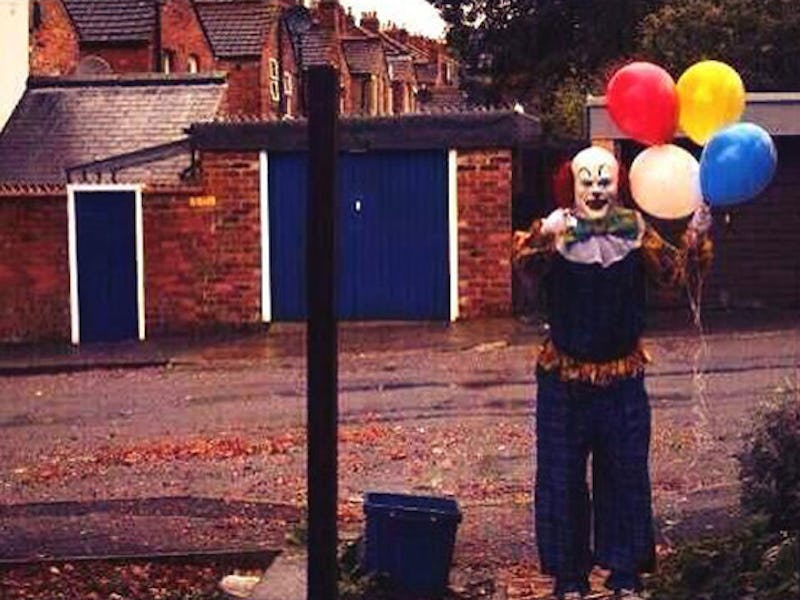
{"x":701,"y":408}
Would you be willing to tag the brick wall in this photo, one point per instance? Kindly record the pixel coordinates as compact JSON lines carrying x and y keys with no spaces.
{"x":123,"y":59}
{"x":196,"y":276}
{"x":244,"y":91}
{"x":278,"y":45}
{"x":53,"y":44}
{"x":484,"y":233}
{"x":34,"y":285}
{"x":234,"y":289}
{"x":182,"y":34}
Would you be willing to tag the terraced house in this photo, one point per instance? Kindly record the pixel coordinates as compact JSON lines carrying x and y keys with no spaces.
{"x":262,"y":47}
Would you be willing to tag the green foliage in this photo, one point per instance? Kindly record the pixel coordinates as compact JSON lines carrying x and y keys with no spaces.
{"x":755,"y":564}
{"x":354,"y":584}
{"x":770,"y":463}
{"x":297,"y":535}
{"x":542,"y":52}
{"x":762,"y":560}
{"x":760,"y":39}
{"x":567,"y":108}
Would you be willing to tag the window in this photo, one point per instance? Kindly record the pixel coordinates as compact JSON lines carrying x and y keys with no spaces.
{"x":289,"y":107}
{"x":274,"y":80}
{"x":288,"y":92}
{"x":167,"y":61}
{"x":193,"y":64}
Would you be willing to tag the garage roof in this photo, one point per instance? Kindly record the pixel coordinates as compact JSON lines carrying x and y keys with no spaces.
{"x":777,"y":112}
{"x":461,"y":130}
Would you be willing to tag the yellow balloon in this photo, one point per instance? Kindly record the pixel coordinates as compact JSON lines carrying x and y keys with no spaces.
{"x":711,"y":96}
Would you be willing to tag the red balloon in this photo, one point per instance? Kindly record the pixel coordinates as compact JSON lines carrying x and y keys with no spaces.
{"x":643,"y":102}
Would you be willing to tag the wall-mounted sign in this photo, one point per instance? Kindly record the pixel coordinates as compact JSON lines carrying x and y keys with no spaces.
{"x":202,"y":201}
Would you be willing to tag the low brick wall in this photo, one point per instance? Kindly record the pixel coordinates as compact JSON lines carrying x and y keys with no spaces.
{"x":202,"y":249}
{"x":484,"y":233}
{"x":34,"y":270}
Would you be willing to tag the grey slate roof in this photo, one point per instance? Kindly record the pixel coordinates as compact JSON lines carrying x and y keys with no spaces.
{"x":364,"y":56}
{"x":64,"y":122}
{"x":443,"y":98}
{"x":98,"y":21}
{"x":318,"y":47}
{"x":402,"y":68}
{"x":236,"y":28}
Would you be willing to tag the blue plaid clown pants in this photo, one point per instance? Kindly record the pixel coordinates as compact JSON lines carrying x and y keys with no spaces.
{"x":612,"y":423}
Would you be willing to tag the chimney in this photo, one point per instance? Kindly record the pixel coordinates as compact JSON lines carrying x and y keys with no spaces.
{"x":370,"y":21}
{"x":330,"y":15}
{"x":401,"y":35}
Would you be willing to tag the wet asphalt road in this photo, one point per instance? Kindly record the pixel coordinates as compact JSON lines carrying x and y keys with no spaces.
{"x":459,"y":400}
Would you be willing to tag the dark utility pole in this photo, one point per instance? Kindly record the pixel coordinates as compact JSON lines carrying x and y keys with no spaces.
{"x":323,"y":91}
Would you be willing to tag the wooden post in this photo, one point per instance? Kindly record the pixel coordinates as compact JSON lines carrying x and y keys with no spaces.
{"x":323,"y":93}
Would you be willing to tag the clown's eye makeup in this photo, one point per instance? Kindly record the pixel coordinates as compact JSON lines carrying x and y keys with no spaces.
{"x":604,"y":182}
{"x":586,"y":182}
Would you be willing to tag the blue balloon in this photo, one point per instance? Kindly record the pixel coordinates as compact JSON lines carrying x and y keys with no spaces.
{"x":737,"y":164}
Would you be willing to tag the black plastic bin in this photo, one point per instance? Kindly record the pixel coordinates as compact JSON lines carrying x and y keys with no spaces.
{"x":410,"y":539}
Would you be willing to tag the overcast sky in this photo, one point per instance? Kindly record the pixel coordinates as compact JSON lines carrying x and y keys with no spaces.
{"x":415,"y":15}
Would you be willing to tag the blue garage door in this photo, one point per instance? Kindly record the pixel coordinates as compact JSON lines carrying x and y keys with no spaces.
{"x":393,"y":236}
{"x":106,"y":250}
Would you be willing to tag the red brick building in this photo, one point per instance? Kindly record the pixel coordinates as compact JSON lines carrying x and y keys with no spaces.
{"x":245,"y":39}
{"x":261,"y":45}
{"x":212,"y":218}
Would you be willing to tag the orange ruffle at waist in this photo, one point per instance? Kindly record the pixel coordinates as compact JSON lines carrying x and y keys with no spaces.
{"x":567,"y":368}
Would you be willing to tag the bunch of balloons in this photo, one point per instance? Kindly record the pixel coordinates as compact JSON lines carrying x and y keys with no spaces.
{"x":738,"y":159}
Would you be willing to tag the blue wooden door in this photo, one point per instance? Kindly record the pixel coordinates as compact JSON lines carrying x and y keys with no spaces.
{"x":106,"y":252}
{"x":393,"y":236}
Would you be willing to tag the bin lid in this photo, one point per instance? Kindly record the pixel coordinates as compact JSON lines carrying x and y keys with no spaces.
{"x":407,"y":503}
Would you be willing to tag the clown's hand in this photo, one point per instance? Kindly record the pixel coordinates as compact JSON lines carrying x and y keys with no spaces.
{"x":700,"y":225}
{"x":557,"y":222}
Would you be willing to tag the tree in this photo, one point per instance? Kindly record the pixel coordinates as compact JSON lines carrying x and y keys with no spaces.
{"x":541,"y":51}
{"x":759,"y":39}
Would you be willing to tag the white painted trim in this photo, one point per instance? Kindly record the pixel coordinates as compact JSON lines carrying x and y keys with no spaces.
{"x":140,"y":262}
{"x":72,"y":243}
{"x":72,"y":235}
{"x":266,"y":265}
{"x":452,"y":200}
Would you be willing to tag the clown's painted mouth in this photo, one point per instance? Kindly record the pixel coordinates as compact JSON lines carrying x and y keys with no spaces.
{"x":597,"y":203}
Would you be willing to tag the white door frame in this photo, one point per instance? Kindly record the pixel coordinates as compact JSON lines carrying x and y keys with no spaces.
{"x":72,"y":240}
{"x":266,"y":265}
{"x":452,"y":220}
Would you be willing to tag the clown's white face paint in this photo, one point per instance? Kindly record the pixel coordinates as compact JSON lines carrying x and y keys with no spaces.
{"x":596,"y":175}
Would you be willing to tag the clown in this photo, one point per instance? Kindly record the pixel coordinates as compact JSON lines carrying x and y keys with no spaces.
{"x":593,"y":260}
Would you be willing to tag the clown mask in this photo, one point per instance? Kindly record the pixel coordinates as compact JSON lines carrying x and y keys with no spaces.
{"x":596,"y":175}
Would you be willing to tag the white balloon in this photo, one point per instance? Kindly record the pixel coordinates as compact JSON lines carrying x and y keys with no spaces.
{"x":665,"y":182}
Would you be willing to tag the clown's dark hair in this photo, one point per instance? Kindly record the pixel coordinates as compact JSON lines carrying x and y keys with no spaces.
{"x":564,"y":187}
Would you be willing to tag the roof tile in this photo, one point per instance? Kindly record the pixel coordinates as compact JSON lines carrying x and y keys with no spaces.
{"x":364,"y":56}
{"x":64,"y":122}
{"x":113,"y":20}
{"x":318,"y":47}
{"x":236,"y":28}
